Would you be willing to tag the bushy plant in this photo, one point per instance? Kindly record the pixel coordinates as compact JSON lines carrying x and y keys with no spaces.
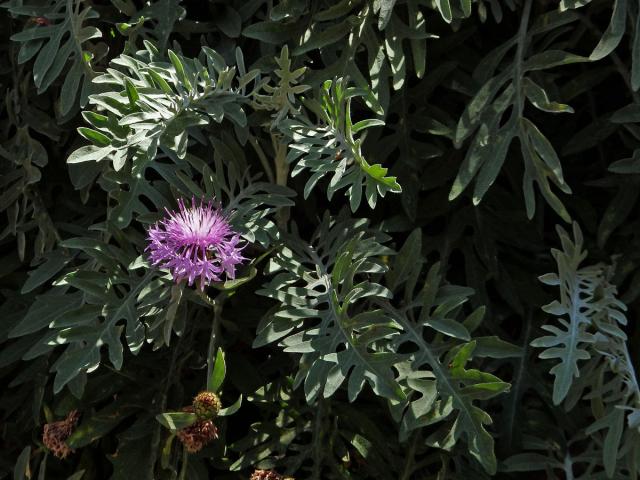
{"x":312,"y":239}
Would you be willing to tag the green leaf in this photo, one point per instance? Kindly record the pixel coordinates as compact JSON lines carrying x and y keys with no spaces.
{"x":22,"y":470}
{"x":229,"y":21}
{"x":132,"y":93}
{"x":180,"y":71}
{"x":231,"y":409}
{"x":99,"y":139}
{"x":100,"y":424}
{"x":528,"y":462}
{"x":457,"y":387}
{"x":614,"y":423}
{"x":230,"y":285}
{"x":89,"y":153}
{"x":628,"y":114}
{"x":53,"y":264}
{"x":627,"y":165}
{"x":336,"y":347}
{"x":580,"y":294}
{"x":538,"y":98}
{"x":635,"y":57}
{"x":384,"y":9}
{"x":219,"y":372}
{"x":551,"y":59}
{"x":317,"y":40}
{"x":495,"y":347}
{"x":45,"y":310}
{"x":176,"y":420}
{"x":271,"y":32}
{"x":331,"y":148}
{"x":407,"y":260}
{"x":65,"y":39}
{"x":614,"y":32}
{"x":495,"y":155}
{"x":444,"y":7}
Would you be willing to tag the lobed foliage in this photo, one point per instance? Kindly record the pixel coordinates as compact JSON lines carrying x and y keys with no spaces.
{"x":395,"y":168}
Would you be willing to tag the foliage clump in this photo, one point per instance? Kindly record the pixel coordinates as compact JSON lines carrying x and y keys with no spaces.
{"x":411,"y":250}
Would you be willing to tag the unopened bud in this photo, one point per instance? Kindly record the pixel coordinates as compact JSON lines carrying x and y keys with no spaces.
{"x":206,"y":405}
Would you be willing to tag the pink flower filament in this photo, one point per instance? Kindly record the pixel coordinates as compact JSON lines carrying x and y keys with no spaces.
{"x":196,"y":243}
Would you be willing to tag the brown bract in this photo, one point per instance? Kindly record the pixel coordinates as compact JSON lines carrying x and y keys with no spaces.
{"x":267,"y":475}
{"x":197,"y":435}
{"x":55,"y":434}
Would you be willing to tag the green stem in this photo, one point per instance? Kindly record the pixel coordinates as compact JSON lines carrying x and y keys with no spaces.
{"x":185,"y":463}
{"x":282,"y":174}
{"x":162,"y":404}
{"x":318,"y":446}
{"x":409,"y":462}
{"x":517,"y":74}
{"x":568,"y":467}
{"x":632,"y":373}
{"x":263,"y":158}
{"x":217,"y":304}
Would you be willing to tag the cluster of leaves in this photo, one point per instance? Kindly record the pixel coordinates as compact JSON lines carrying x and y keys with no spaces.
{"x":396,"y":330}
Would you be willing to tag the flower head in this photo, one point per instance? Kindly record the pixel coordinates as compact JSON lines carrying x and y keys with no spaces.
{"x":198,"y":434}
{"x":206,"y":405}
{"x":267,"y":475}
{"x":196,"y":243}
{"x":55,"y":434}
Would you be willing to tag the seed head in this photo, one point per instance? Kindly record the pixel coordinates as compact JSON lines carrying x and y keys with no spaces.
{"x":197,"y":435}
{"x":55,"y":434}
{"x":267,"y":475}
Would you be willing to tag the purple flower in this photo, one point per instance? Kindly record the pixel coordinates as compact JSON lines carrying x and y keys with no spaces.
{"x":195,"y":242}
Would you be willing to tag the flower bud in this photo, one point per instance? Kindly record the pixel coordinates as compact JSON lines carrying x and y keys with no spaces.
{"x":206,"y":405}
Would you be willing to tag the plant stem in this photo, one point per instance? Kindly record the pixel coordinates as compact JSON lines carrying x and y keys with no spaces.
{"x":263,"y":158}
{"x":185,"y":463}
{"x":318,"y":446}
{"x":282,"y":173}
{"x":632,"y":373}
{"x":520,"y":51}
{"x":217,"y":304}
{"x":568,"y":466}
{"x":162,"y":405}
{"x":409,"y":463}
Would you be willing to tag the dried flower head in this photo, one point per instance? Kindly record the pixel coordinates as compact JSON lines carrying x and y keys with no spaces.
{"x":195,"y":242}
{"x":55,"y":434}
{"x":267,"y":475}
{"x":197,"y":435}
{"x":206,"y":405}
